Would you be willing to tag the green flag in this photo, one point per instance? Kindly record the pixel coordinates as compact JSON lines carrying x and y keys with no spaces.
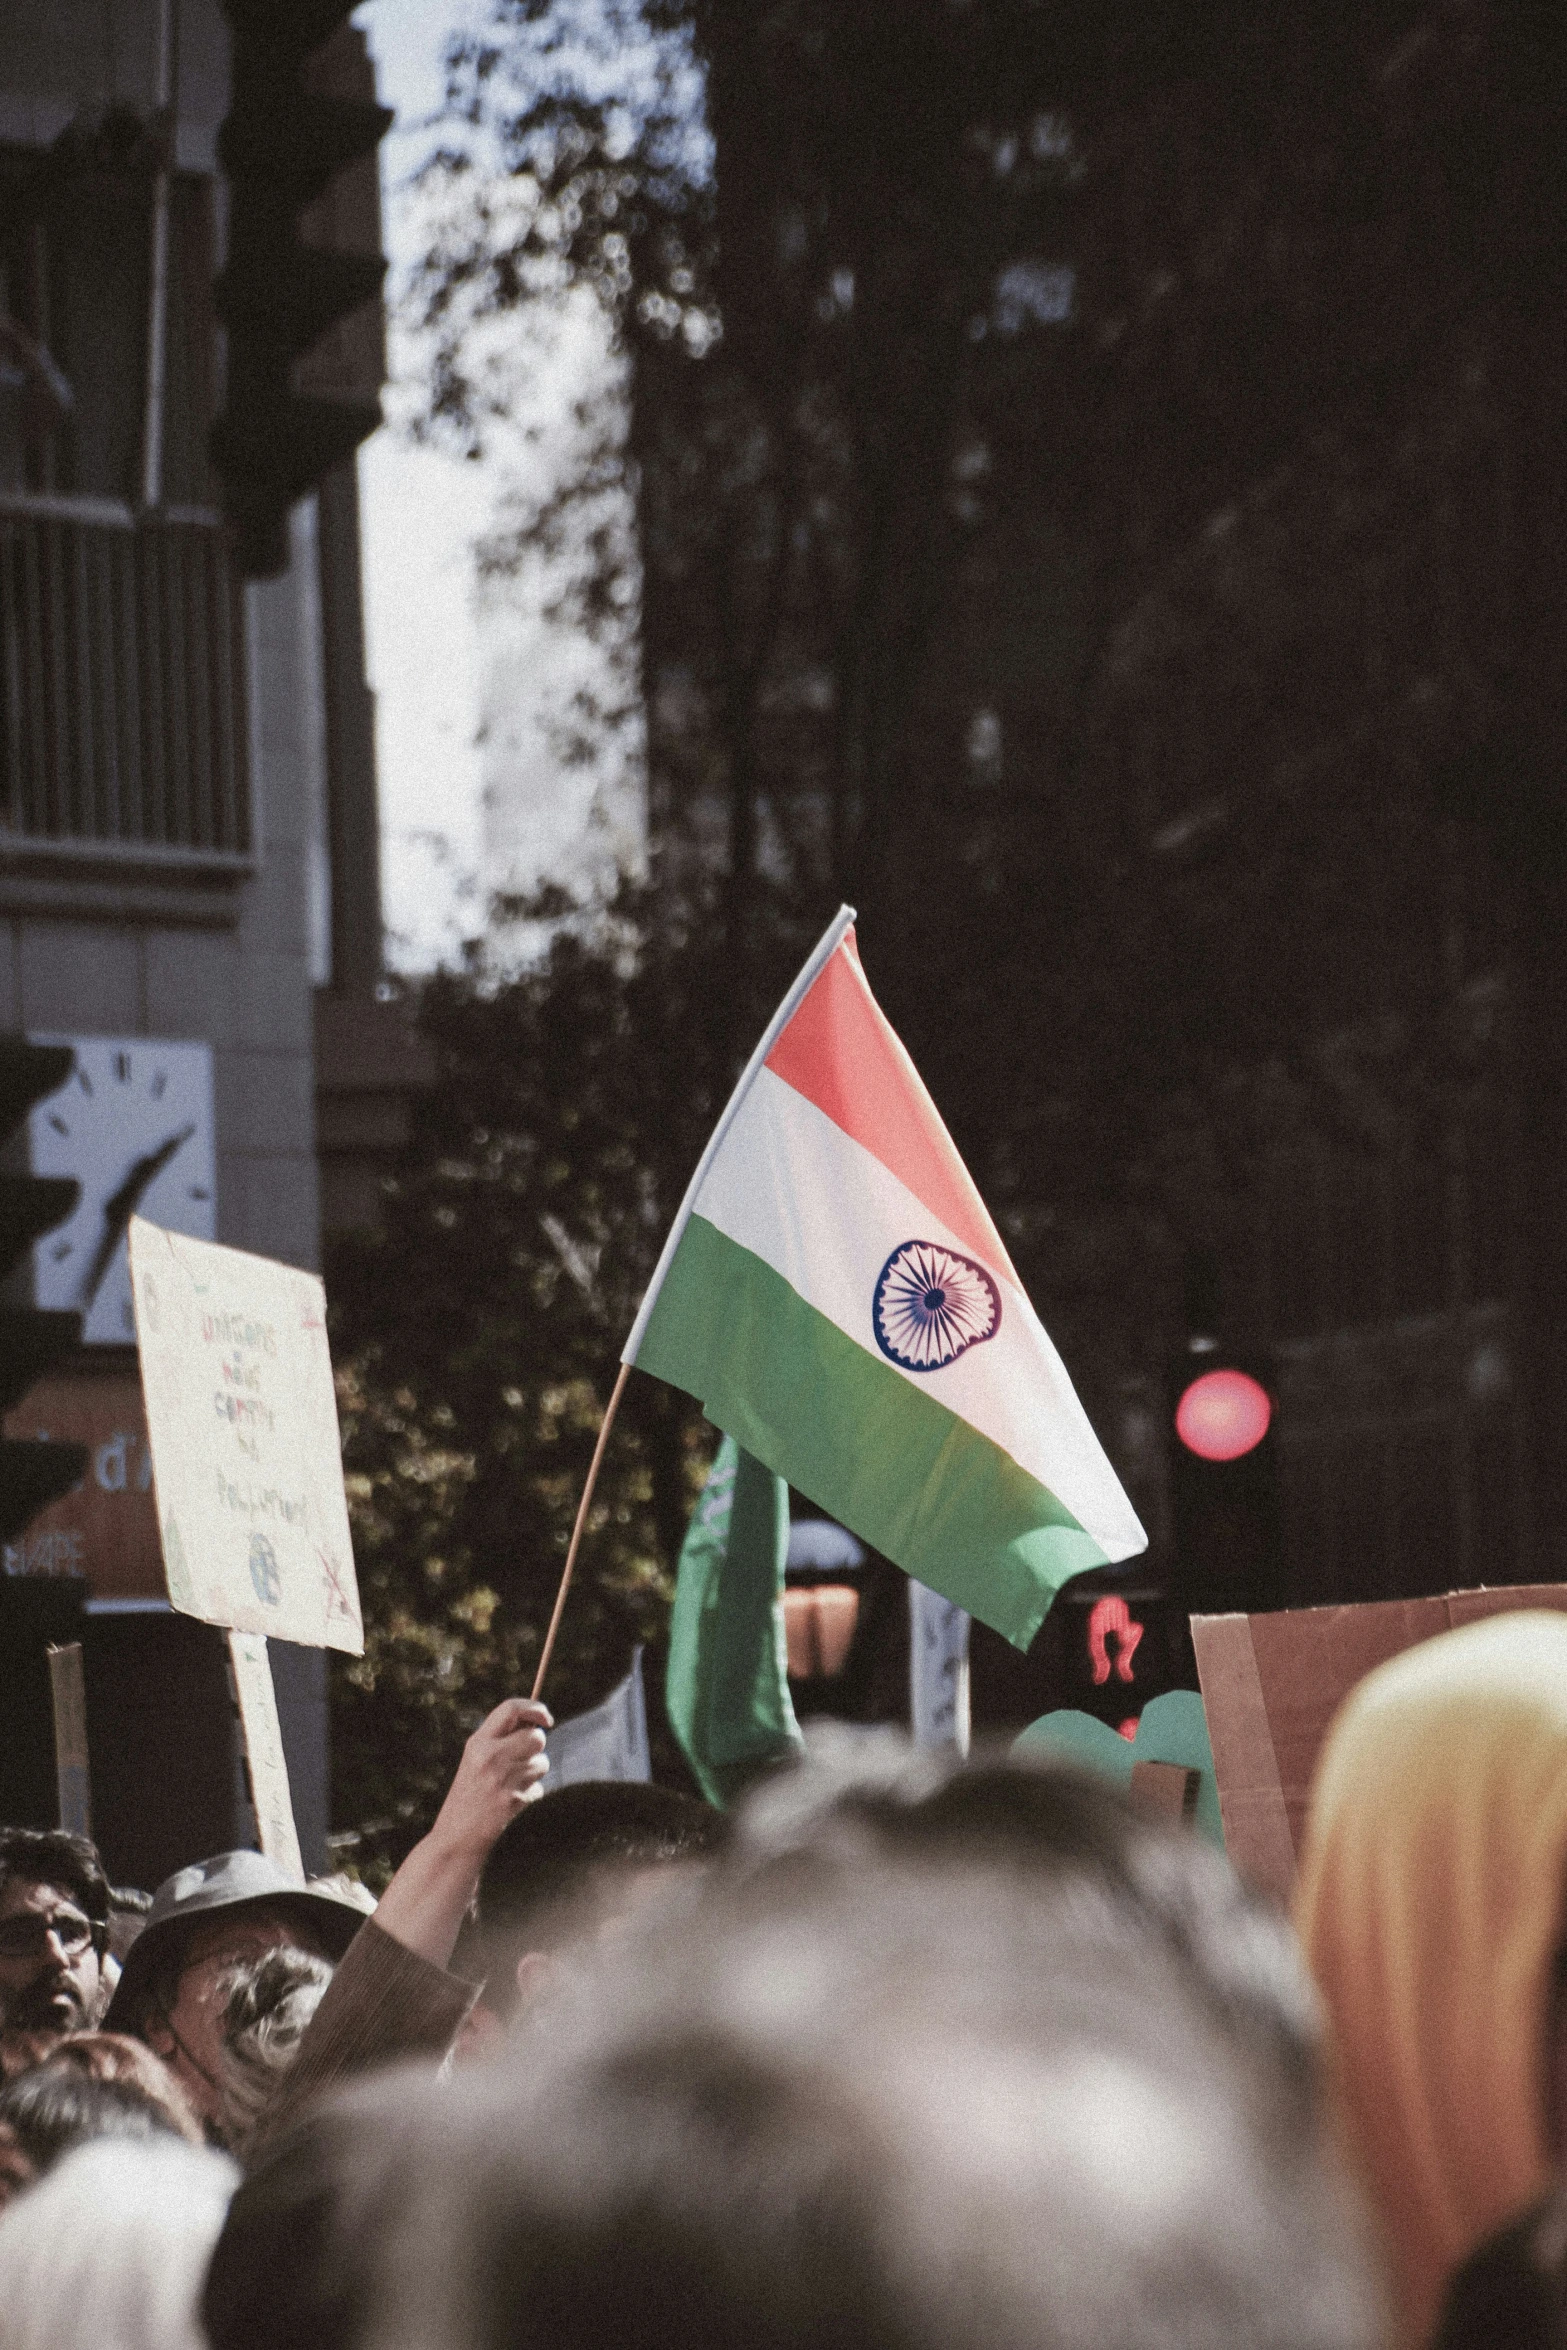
{"x":727,"y":1687}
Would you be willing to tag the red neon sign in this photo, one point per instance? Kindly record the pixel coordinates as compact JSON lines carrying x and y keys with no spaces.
{"x":1223,"y":1415}
{"x":1112,"y":1615}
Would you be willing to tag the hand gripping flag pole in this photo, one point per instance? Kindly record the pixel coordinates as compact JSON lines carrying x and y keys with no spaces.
{"x":576,"y":1532}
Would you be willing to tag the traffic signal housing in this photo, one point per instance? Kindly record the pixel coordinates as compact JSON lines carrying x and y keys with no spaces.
{"x":300,"y":289}
{"x":32,"y":1473}
{"x":1224,"y":1480}
{"x":1114,"y":1639}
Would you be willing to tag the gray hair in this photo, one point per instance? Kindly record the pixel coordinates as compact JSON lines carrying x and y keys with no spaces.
{"x":269,"y":2003}
{"x":993,"y":2059}
{"x":112,"y":2248}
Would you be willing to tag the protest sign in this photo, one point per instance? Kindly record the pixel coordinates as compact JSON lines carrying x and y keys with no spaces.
{"x":68,"y":1693}
{"x":1272,"y":1684}
{"x":1169,"y":1762}
{"x":242,"y":1421}
{"x":610,"y":1742}
{"x":264,"y":1756}
{"x":938,"y":1669}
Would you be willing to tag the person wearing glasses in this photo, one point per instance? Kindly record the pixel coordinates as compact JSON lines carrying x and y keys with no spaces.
{"x":54,"y":1933}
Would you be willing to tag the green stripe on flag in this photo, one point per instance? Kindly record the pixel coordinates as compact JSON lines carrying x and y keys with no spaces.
{"x":726,"y":1690}
{"x":884,"y":1457}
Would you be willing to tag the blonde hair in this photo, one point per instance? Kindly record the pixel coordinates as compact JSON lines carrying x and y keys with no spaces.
{"x":1430,"y":1906}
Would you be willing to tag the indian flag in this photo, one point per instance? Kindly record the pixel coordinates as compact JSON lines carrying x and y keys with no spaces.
{"x":836,"y":1295}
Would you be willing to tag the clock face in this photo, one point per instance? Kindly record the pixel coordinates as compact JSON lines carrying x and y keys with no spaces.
{"x":134,"y":1125}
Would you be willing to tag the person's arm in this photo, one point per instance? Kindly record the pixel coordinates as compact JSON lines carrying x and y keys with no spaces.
{"x":502,"y":1768}
{"x":391,"y":1995}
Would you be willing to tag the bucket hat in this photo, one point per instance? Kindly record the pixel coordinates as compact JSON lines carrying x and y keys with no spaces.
{"x":229,"y":1881}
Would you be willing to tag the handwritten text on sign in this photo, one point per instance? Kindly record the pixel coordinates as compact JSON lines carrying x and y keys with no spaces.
{"x":245,"y":1452}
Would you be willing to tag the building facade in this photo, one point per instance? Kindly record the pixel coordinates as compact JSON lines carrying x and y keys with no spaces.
{"x":187,"y":791}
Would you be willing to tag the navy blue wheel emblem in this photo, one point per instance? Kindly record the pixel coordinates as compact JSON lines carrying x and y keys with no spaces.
{"x":265,"y":1579}
{"x":931,"y":1305}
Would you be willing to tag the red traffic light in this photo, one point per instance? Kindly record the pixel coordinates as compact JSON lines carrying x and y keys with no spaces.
{"x":1223,"y":1415}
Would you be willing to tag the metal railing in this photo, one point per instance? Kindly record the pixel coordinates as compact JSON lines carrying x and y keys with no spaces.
{"x":122,"y":684}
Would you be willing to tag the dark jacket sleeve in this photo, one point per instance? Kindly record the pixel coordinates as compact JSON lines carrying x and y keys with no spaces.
{"x":1512,"y":2293}
{"x":383,"y":2003}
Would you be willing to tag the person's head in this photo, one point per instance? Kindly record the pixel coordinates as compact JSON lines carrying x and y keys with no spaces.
{"x":128,"y":1911}
{"x":54,"y":1931}
{"x":296,"y":2259}
{"x":268,"y":2003}
{"x":574,"y":1863}
{"x":128,"y":2064}
{"x":1433,"y":1879}
{"x":205,"y":1921}
{"x":57,"y":2106}
{"x":896,"y":2099}
{"x":112,"y":2247}
{"x":1074,"y":1833}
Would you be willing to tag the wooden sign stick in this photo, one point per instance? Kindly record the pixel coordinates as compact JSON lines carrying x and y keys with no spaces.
{"x":576,"y":1531}
{"x":68,"y":1693}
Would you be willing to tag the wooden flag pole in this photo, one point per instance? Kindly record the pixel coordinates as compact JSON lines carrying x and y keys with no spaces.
{"x":576,"y":1531}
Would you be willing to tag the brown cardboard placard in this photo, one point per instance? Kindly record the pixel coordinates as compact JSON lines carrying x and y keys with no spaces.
{"x":1169,"y":1787}
{"x":68,"y":1695}
{"x":1272,"y":1684}
{"x":264,"y":1756}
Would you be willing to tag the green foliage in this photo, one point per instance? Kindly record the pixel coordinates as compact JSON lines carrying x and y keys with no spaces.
{"x":477,"y":1334}
{"x":1097,"y":492}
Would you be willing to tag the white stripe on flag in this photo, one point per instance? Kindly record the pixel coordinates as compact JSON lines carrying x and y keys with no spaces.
{"x":794,"y":1189}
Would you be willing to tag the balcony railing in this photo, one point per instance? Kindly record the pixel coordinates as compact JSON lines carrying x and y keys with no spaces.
{"x":122,"y":686}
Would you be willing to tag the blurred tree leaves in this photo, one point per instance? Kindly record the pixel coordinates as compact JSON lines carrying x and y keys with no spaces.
{"x":1098,"y":493}
{"x":477,"y":1334}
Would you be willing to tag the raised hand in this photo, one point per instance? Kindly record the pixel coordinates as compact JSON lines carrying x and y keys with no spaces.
{"x":502,"y":1767}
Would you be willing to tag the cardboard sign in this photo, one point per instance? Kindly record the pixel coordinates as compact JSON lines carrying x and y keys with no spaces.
{"x":1169,"y":1762}
{"x":938,"y":1670}
{"x":264,"y":1757}
{"x":107,"y":1527}
{"x":1272,"y":1685}
{"x":1169,"y":1788}
{"x":68,"y":1692}
{"x":246,"y":1460}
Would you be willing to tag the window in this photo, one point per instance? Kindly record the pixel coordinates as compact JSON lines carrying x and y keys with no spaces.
{"x":122,"y":727}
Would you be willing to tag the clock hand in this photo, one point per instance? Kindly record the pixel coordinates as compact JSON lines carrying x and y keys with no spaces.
{"x":121,"y":1206}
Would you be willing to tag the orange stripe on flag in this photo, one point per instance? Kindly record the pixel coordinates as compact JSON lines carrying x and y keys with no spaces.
{"x":842,"y":1053}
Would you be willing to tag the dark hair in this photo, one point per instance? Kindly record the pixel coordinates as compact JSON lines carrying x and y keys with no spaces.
{"x":128,"y":2063}
{"x":53,"y":1856}
{"x":291,"y":2266}
{"x":547,"y":1851}
{"x":128,"y":1908}
{"x":562,"y":1850}
{"x":58,"y":2106}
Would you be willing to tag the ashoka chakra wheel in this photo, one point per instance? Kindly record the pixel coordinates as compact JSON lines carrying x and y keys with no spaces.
{"x":931,"y":1305}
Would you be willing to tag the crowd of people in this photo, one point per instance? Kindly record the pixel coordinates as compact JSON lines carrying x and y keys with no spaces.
{"x":901,"y":2054}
